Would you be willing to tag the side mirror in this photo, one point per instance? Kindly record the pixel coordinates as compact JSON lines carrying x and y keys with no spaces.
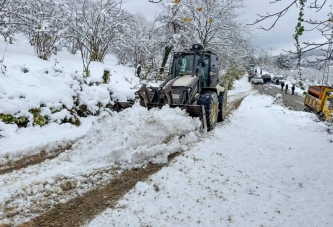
{"x":202,"y":61}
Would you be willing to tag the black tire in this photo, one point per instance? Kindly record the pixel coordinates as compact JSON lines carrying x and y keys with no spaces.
{"x":322,"y":116}
{"x":307,"y":109}
{"x":220,"y":116}
{"x":210,"y":102}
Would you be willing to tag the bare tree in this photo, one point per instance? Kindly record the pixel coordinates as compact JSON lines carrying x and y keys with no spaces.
{"x":216,"y":25}
{"x":173,"y":31}
{"x":303,"y":25}
{"x":96,"y":26}
{"x":9,"y":23}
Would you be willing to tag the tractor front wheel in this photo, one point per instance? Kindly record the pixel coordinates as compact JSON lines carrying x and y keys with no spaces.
{"x":210,"y":101}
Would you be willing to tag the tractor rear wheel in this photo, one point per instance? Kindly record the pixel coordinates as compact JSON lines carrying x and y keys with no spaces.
{"x":210,"y":102}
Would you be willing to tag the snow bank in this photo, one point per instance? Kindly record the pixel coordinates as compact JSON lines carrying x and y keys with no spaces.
{"x":126,"y":140}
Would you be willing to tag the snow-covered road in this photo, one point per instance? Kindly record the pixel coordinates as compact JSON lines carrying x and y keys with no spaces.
{"x":264,"y":166}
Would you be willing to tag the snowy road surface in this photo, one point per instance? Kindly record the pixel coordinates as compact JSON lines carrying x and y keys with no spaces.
{"x":265,"y":166}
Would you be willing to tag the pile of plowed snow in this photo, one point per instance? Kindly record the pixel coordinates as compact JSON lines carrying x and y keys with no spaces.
{"x":125,"y":140}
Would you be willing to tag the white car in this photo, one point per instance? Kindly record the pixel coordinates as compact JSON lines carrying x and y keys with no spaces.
{"x":280,"y":78}
{"x":257,"y":80}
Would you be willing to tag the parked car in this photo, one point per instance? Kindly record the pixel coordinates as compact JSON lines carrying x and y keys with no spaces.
{"x":280,"y":78}
{"x":257,"y":80}
{"x":267,"y":78}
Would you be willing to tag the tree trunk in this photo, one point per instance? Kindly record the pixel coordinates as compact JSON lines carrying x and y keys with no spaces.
{"x":167,"y":51}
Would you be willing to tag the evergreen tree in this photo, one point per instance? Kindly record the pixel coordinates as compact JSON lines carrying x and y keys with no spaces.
{"x":283,"y":62}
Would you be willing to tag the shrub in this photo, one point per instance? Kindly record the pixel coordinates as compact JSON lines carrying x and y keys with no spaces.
{"x":38,"y":118}
{"x":106,"y":77}
{"x":231,"y":75}
{"x":77,"y":121}
{"x":9,"y":119}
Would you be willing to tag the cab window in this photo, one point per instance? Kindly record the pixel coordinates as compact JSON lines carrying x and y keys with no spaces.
{"x":203,"y":71}
{"x":214,"y":62}
{"x":188,"y":64}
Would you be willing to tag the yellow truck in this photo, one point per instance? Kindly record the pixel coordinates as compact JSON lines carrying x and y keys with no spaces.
{"x":319,"y":99}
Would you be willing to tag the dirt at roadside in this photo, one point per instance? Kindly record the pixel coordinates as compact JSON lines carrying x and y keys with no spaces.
{"x":234,"y":105}
{"x":80,"y":210}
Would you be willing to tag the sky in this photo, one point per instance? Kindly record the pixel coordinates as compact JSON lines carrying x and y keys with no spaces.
{"x":275,"y":41}
{"x":228,"y":175}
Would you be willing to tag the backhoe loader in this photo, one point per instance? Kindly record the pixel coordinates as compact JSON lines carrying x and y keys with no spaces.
{"x":193,"y":84}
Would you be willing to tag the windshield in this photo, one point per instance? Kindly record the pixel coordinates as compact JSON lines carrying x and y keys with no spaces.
{"x":187,"y":64}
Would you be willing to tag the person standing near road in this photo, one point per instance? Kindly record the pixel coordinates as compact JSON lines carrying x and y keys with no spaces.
{"x":286,"y":92}
{"x":282,"y":85}
{"x":293,"y":89}
{"x":277,"y":81}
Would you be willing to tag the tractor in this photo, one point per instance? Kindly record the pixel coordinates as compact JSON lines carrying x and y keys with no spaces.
{"x":192,"y":84}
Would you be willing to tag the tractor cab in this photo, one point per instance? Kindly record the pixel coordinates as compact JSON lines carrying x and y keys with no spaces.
{"x":196,"y":62}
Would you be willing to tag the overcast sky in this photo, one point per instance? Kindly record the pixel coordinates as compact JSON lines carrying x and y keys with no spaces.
{"x":280,"y":37}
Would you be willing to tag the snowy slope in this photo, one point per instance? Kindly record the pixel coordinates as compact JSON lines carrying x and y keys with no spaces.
{"x":52,"y":84}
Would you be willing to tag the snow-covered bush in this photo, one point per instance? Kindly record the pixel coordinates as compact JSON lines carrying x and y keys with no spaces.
{"x":39,"y":119}
{"x":283,"y":62}
{"x":278,"y":99}
{"x":232,"y":74}
{"x":106,"y":76}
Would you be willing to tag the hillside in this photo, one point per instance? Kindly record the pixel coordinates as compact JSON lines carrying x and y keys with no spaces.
{"x":308,"y":58}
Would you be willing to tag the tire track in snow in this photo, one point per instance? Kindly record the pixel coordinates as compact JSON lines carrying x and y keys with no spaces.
{"x":33,"y":159}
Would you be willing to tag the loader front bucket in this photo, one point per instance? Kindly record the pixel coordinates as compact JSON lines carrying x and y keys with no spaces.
{"x":143,"y":93}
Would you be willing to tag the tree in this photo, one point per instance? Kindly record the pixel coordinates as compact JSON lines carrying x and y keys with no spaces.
{"x":214,"y":24}
{"x":43,"y":21}
{"x":174,"y":33}
{"x":304,"y":25}
{"x":139,"y":46}
{"x":7,"y":25}
{"x":96,"y":26}
{"x":283,"y":62}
